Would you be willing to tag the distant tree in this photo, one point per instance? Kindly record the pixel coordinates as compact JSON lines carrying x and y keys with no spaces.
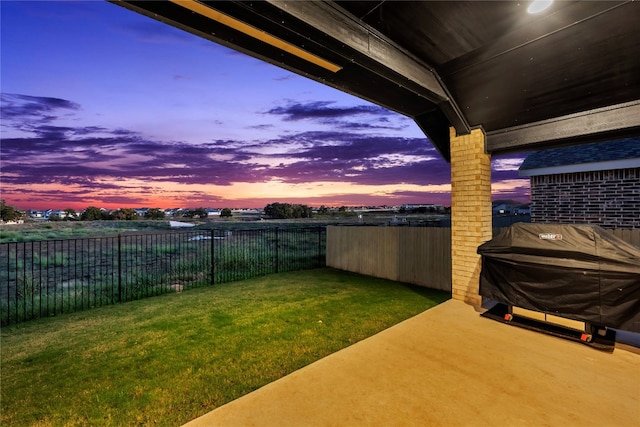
{"x":154,"y":213}
{"x":54,"y":217}
{"x":70,"y":214}
{"x":301,"y":211}
{"x":126,"y":214}
{"x":278,"y":210}
{"x":297,"y":211}
{"x":92,"y":213}
{"x":226,"y":213}
{"x":286,"y":211}
{"x":9,"y":213}
{"x":403,"y":209}
{"x":200,"y":213}
{"x":272,"y":210}
{"x":342,"y":209}
{"x":323,"y":210}
{"x":196,"y":213}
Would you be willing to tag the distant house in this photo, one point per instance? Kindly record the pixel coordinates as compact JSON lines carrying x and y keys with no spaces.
{"x":55,"y":213}
{"x":426,"y":207}
{"x":596,"y":183}
{"x":501,"y":209}
{"x":34,"y":214}
{"x":12,"y":222}
{"x":511,"y":208}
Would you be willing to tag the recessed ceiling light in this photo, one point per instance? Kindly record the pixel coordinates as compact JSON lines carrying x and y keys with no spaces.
{"x":538,"y":6}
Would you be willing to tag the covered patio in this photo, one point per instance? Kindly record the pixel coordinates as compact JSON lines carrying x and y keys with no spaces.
{"x":450,"y":367}
{"x":480,"y":79}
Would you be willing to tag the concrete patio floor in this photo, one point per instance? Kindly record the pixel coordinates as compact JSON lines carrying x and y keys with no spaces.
{"x":449,"y":367}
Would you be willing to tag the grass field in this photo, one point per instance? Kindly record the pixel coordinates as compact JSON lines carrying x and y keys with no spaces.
{"x":168,"y":359}
{"x":47,"y":230}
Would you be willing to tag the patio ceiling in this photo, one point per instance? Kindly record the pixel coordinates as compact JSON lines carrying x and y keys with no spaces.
{"x":568,"y":75}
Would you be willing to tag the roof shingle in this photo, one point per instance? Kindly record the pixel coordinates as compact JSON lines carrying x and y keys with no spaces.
{"x":620,"y":149}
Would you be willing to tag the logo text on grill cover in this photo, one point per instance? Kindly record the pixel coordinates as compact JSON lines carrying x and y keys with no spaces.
{"x":550,"y":236}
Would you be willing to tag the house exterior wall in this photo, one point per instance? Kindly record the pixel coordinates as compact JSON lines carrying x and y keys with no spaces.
{"x":609,"y":198}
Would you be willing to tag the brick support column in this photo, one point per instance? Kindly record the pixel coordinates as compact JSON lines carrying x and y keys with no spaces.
{"x":471,"y":221}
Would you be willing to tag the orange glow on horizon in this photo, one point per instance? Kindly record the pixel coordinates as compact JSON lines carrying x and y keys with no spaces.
{"x":164,"y":195}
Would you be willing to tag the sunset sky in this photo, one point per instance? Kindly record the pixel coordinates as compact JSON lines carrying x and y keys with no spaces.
{"x":105,"y":107}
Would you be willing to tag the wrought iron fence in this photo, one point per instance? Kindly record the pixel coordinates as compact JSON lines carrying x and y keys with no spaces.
{"x":47,"y":278}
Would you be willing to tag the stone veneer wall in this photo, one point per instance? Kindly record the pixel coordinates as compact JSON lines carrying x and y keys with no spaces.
{"x":608,"y":198}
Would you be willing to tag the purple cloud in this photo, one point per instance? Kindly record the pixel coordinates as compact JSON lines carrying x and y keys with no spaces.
{"x":33,"y":108}
{"x":322,"y":110}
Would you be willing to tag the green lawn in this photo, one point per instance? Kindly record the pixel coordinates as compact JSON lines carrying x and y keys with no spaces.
{"x":168,"y":359}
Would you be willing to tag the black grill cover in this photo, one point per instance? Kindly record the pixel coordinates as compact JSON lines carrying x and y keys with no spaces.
{"x":575,"y":271}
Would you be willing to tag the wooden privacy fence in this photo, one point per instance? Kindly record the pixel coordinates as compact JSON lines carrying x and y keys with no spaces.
{"x":416,"y":255}
{"x":628,"y":235}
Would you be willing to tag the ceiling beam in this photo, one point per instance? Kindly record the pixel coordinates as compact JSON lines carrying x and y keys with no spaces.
{"x":398,"y":65}
{"x":611,"y":122}
{"x":434,"y":125}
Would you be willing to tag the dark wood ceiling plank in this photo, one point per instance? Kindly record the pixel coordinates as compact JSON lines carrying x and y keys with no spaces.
{"x":340,"y":25}
{"x":616,"y":121}
{"x":581,"y":68}
{"x":434,"y":125}
{"x":441,"y":31}
{"x":530,"y":28}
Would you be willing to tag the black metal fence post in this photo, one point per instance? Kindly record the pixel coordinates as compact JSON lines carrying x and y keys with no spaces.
{"x":277,"y":251}
{"x":319,"y":246}
{"x":119,"y":268}
{"x":213,"y":238}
